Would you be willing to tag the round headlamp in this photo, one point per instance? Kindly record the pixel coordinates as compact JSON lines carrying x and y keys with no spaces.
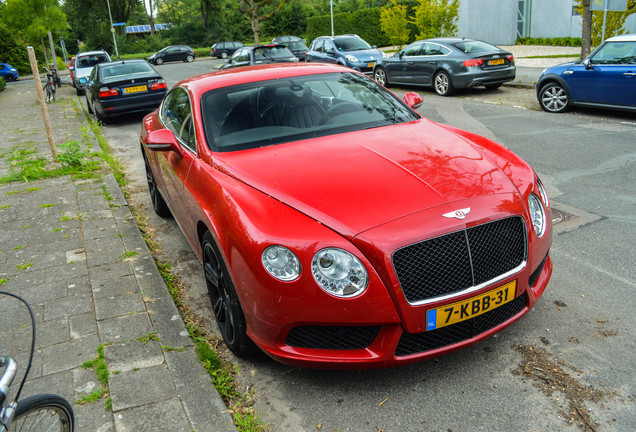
{"x":339,"y":272}
{"x":281,"y":263}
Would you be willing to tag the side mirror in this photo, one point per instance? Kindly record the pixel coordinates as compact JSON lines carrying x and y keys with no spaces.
{"x":163,"y":140}
{"x":587,"y":64}
{"x":70,"y":68}
{"x":413,"y":100}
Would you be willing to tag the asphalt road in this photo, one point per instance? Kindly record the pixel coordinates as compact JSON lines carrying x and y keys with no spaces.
{"x":568,"y":365}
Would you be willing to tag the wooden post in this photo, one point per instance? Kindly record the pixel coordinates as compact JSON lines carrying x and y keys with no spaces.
{"x":45,"y":111}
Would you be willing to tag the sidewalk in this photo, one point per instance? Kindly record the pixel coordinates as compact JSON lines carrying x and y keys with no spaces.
{"x":73,"y":250}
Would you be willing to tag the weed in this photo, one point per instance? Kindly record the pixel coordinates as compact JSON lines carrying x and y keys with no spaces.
{"x":18,"y":247}
{"x":91,"y":398}
{"x":5,"y":206}
{"x":148,"y":337}
{"x":23,"y":266}
{"x":128,"y":254}
{"x":72,"y":156}
{"x":26,"y":227}
{"x":169,"y":348}
{"x":3,"y":281}
{"x":47,"y":205}
{"x":57,"y":229}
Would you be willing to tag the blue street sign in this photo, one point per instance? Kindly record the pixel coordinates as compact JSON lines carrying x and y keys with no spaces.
{"x":119,"y":24}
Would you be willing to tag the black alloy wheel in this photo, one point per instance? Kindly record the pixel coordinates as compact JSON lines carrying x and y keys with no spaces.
{"x":442,"y":84}
{"x":10,"y":77}
{"x":225,"y":302}
{"x":158,"y":203}
{"x":553,"y":98}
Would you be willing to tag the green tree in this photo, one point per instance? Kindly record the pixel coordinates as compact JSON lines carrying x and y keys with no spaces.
{"x":33,"y":19}
{"x":613,"y":24}
{"x":436,"y":18}
{"x":394,"y":23}
{"x":253,"y":9}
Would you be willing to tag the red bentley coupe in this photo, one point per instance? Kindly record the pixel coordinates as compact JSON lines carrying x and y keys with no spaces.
{"x":337,"y":227}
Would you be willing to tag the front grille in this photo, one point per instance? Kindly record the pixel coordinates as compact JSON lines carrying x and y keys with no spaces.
{"x":421,"y":342}
{"x":461,"y":260}
{"x":332,"y":337}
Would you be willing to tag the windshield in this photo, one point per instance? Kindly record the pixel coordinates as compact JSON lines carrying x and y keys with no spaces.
{"x":271,"y":112}
{"x":123,"y":69}
{"x":272,"y":53}
{"x":473,"y":47}
{"x":351,"y":44}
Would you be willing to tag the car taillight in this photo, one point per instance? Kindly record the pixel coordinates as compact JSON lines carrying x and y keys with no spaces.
{"x":510,"y":58}
{"x":473,"y":62}
{"x":106,"y":92}
{"x":158,"y":85}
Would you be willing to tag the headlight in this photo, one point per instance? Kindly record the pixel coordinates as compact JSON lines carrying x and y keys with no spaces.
{"x":544,"y":195}
{"x":537,"y":215}
{"x":340,"y":273}
{"x":281,"y":263}
{"x":352,"y":59}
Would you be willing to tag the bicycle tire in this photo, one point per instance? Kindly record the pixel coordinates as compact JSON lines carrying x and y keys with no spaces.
{"x":48,"y":412}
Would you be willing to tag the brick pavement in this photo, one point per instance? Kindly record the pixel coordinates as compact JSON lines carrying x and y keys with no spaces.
{"x":73,"y":250}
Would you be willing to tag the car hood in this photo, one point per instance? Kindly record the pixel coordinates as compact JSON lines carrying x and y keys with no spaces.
{"x":562,"y":66}
{"x":82,"y":72}
{"x":365,"y":55}
{"x":355,"y":181}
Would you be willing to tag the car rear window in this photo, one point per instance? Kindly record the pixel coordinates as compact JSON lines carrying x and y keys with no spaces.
{"x":124,"y":69}
{"x":473,"y":47}
{"x":91,"y":60}
{"x":272,"y":112}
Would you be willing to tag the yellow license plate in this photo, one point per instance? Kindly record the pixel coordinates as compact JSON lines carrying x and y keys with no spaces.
{"x":495,"y":62}
{"x":135,"y":89}
{"x":371,"y":65}
{"x":470,"y":308}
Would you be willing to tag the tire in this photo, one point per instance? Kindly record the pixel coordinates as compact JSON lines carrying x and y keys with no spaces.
{"x":158,"y":203}
{"x":553,"y":98}
{"x":44,"y":412}
{"x":48,"y":94}
{"x":225,"y":302}
{"x":442,"y":84}
{"x":10,"y":77}
{"x":159,"y":61}
{"x":380,"y":76}
{"x":79,"y":91}
{"x":492,"y":86}
{"x":189,"y":58}
{"x":88,"y":105}
{"x":224,"y":55}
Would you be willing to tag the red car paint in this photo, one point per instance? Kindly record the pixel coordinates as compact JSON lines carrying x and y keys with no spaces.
{"x":369,"y":192}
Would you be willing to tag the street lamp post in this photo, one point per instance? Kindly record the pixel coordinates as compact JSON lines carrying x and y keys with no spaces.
{"x":331,"y":9}
{"x":112,"y":30}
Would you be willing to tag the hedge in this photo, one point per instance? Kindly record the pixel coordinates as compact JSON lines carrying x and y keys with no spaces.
{"x":364,"y":22}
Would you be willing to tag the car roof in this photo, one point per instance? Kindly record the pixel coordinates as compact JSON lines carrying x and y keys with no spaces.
{"x":121,"y":62}
{"x":91,"y":52}
{"x":623,"y":38}
{"x":200,"y":84}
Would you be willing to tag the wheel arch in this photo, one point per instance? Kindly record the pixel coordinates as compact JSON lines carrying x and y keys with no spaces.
{"x":553,"y":78}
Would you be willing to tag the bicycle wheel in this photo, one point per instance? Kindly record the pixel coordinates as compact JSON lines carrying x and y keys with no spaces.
{"x":44,"y":412}
{"x":48,"y":94}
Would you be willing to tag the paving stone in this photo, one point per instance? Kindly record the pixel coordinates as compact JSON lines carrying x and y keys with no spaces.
{"x":67,"y":306}
{"x":82,"y":325}
{"x":62,"y":382}
{"x":166,"y":416}
{"x":133,"y":355}
{"x":141,"y":387}
{"x":45,"y":291}
{"x":70,"y":354}
{"x":115,"y":286}
{"x":48,"y":333}
{"x":99,"y":228}
{"x":114,"y":306}
{"x":124,"y":328}
{"x":94,"y":417}
{"x":109,"y":271}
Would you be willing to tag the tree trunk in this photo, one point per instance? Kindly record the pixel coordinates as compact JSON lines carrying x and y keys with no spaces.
{"x":586,"y":32}
{"x":151,"y":19}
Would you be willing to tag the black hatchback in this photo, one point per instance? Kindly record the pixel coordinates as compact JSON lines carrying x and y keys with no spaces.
{"x":172,"y":53}
{"x":124,"y":86}
{"x":260,"y":54}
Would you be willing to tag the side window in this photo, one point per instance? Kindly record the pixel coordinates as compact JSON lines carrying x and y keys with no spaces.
{"x":176,"y":114}
{"x":319,"y":46}
{"x":329,"y":46}
{"x":616,"y":53}
{"x":433,"y":49}
{"x":413,"y":50}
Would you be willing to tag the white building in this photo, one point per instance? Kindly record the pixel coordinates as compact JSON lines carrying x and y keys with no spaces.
{"x":503,"y":21}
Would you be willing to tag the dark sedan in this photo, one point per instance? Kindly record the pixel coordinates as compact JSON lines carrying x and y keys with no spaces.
{"x":172,"y":53}
{"x":260,"y":54}
{"x":124,"y":86}
{"x":447,"y":64}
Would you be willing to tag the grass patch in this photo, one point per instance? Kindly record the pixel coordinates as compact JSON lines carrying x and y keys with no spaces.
{"x":5,"y":206}
{"x":98,"y":364}
{"x":552,"y":56}
{"x":128,"y":254}
{"x":148,"y":337}
{"x":3,"y":281}
{"x":91,"y":398}
{"x":47,"y":205}
{"x":23,"y":266}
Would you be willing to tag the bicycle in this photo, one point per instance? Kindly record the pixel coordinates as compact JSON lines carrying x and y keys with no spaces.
{"x":49,"y":87}
{"x":40,"y":412}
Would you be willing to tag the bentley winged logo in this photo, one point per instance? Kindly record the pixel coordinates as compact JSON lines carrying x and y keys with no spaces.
{"x":459,"y":214}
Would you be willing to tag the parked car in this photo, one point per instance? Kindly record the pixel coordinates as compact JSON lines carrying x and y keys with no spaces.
{"x":348,"y":50}
{"x":284,"y":39}
{"x":259,"y":54}
{"x":298,"y":48}
{"x":8,"y":72}
{"x":337,"y":228}
{"x":605,"y":79}
{"x":83,"y":65}
{"x":224,"y":49}
{"x":124,"y":86}
{"x":447,"y":64}
{"x":71,"y":69}
{"x":172,"y":53}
